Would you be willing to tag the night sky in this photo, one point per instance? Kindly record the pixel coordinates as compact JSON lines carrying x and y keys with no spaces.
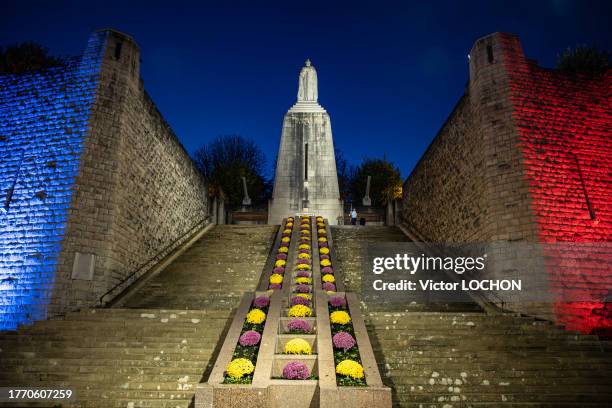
{"x":389,"y":73}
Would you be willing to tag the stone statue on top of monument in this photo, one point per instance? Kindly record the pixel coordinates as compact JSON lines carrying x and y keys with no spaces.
{"x":308,"y":89}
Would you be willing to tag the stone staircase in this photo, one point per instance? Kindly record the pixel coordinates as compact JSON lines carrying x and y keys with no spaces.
{"x":214,"y":273}
{"x":437,"y":359}
{"x":153,"y":350}
{"x":351,"y":241}
{"x":445,"y":357}
{"x":115,"y":357}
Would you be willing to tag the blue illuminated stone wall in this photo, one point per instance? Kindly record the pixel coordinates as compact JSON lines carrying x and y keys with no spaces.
{"x":44,"y":121}
{"x":138,"y":192}
{"x":89,"y":169}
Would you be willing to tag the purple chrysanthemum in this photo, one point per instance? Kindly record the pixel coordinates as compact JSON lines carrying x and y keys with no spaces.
{"x":323,"y":244}
{"x":304,"y":251}
{"x":303,"y":274}
{"x":284,"y":244}
{"x":281,"y":256}
{"x":337,"y":301}
{"x":279,"y":269}
{"x":343,"y":340}
{"x":324,"y":256}
{"x":261,"y":302}
{"x":299,"y":325}
{"x":302,"y":288}
{"x":327,"y":269}
{"x":275,"y":286}
{"x":304,"y":261}
{"x":298,"y":300}
{"x":249,"y":338}
{"x":328,"y":286}
{"x":296,"y":371}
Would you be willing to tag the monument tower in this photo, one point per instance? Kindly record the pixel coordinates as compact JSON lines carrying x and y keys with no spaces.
{"x":306,"y":180}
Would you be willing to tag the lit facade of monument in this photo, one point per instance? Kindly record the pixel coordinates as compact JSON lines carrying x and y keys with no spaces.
{"x":306,"y":180}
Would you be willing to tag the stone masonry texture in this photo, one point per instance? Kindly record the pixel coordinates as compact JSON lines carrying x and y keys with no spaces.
{"x":116,"y":183}
{"x":44,"y":120}
{"x":521,"y":158}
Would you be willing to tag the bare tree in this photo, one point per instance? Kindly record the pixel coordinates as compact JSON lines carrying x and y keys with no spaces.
{"x":228,"y":158}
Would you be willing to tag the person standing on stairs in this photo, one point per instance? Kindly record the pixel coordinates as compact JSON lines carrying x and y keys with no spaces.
{"x":353,"y":217}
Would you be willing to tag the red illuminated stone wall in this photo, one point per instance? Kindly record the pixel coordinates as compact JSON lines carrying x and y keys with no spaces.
{"x":525,"y":157}
{"x":565,"y":129}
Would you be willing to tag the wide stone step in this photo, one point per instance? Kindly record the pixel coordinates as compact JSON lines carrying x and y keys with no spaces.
{"x":493,"y":397}
{"x":490,"y":379}
{"x":49,"y":364}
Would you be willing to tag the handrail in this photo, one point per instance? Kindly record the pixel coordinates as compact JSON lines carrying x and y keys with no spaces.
{"x":157,"y":255}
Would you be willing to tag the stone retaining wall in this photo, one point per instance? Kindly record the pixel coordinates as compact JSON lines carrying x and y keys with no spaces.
{"x":94,"y":181}
{"x":137,"y":190}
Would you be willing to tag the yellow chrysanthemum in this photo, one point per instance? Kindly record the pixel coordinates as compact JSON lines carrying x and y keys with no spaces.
{"x":304,"y":246}
{"x":305,"y":238}
{"x":287,"y":231}
{"x":304,"y":295}
{"x":276,"y":278}
{"x":303,"y":267}
{"x":304,"y":232}
{"x":324,"y":251}
{"x":304,"y":256}
{"x":340,"y":317}
{"x":239,"y":367}
{"x":321,"y":231}
{"x":297,"y":346}
{"x":324,"y":262}
{"x":300,"y":311}
{"x":302,"y":280}
{"x":283,"y":250}
{"x":280,"y":262}
{"x":328,"y":278}
{"x":319,"y":218}
{"x":289,"y":219}
{"x":322,"y":239}
{"x":285,"y":239}
{"x":350,"y":368}
{"x":256,"y":316}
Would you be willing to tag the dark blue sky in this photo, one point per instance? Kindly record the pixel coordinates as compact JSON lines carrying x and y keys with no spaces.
{"x":389,"y":72}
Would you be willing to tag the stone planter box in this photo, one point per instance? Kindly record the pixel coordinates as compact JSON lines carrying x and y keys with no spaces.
{"x":282,"y":328}
{"x":375,"y":394}
{"x":282,"y":339}
{"x":281,"y":360}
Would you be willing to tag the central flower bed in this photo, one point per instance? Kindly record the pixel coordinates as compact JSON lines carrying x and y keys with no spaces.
{"x":300,"y":307}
